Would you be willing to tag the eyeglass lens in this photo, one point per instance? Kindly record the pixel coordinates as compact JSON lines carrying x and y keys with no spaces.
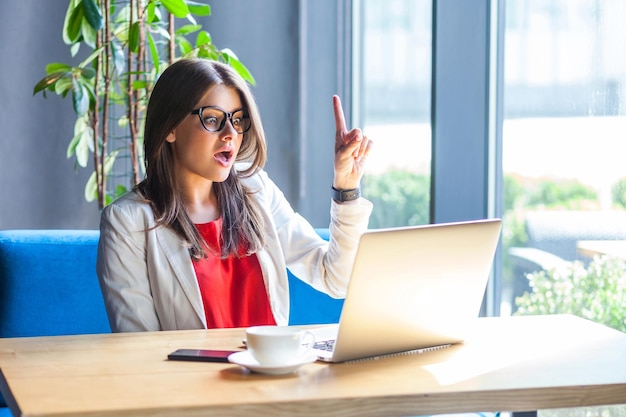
{"x":214,"y":119}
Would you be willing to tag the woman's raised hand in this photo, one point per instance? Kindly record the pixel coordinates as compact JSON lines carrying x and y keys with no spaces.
{"x":351,"y":150}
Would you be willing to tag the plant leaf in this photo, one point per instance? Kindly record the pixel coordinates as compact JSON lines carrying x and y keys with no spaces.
{"x":66,"y":21}
{"x":184,"y":45}
{"x":186,"y":29}
{"x":89,"y":34}
{"x":80,"y":97}
{"x":122,"y":121}
{"x":83,"y":146}
{"x":208,"y":52}
{"x":91,"y":57}
{"x":91,"y":188}
{"x":203,"y":38}
{"x":63,"y":86}
{"x":164,"y":33}
{"x":74,"y":49}
{"x":176,"y":7}
{"x":57,"y":67}
{"x":118,"y":56}
{"x":151,"y":16}
{"x":93,"y":15}
{"x":231,"y":58}
{"x":88,"y":72}
{"x":191,"y":19}
{"x":199,"y":9}
{"x":74,"y":24}
{"x":139,"y":84}
{"x":48,"y":81}
{"x":154,"y":53}
{"x":133,"y":37}
{"x":82,"y":142}
{"x":119,"y":190}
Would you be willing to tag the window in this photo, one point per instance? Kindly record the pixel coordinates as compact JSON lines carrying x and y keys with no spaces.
{"x":564,"y":137}
{"x":392,"y":96}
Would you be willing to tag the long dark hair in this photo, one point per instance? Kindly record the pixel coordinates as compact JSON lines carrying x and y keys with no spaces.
{"x":175,"y":94}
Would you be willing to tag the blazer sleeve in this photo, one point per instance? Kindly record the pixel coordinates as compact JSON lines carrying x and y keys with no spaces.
{"x":324,"y":265}
{"x":122,"y":270}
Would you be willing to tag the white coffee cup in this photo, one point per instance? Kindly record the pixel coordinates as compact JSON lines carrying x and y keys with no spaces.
{"x":278,"y":345}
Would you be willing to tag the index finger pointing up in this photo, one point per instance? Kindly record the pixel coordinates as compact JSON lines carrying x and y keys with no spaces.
{"x":340,"y":121}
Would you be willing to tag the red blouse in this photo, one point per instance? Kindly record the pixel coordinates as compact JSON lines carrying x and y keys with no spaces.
{"x":232,"y":289}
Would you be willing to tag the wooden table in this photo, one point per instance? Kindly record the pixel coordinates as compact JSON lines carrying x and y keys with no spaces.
{"x":591,"y":248}
{"x":509,"y":364}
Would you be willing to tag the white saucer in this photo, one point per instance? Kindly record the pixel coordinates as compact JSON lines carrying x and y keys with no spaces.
{"x":245,"y":359}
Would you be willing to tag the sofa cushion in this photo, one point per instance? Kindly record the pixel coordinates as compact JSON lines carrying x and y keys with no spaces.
{"x":309,"y":306}
{"x":48,"y":283}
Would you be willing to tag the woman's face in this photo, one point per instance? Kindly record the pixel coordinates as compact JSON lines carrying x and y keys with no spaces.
{"x":202,"y":155}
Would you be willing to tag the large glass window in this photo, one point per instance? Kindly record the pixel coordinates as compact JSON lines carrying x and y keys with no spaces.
{"x":392,"y":99}
{"x":564,"y":141}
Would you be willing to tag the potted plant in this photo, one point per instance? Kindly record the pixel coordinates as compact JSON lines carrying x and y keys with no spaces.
{"x":130,"y":43}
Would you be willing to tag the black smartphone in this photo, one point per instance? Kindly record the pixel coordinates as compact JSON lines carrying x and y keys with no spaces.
{"x":202,"y":355}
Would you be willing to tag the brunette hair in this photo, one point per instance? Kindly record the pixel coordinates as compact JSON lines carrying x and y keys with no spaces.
{"x":174,"y":96}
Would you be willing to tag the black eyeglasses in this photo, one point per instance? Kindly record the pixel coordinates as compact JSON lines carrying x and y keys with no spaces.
{"x":213,"y":119}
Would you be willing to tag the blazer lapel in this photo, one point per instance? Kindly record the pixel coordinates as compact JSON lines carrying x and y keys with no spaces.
{"x":180,"y":262}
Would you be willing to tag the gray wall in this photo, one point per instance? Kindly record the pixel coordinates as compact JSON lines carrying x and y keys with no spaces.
{"x":40,"y":187}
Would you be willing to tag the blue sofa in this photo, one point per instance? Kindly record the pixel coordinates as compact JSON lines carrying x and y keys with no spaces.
{"x":48,"y":286}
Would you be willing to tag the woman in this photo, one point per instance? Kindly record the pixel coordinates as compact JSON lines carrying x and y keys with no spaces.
{"x":204,"y":241}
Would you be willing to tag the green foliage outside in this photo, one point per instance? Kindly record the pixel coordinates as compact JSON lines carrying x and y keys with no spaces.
{"x":545,"y":194}
{"x":562,"y":194}
{"x":618,"y":192}
{"x":597,"y":292}
{"x":400,"y":198}
{"x":521,"y":195}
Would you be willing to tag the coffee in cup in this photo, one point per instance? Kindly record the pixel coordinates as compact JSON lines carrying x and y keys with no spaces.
{"x":278,"y":345}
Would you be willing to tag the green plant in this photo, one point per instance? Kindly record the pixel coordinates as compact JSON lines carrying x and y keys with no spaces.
{"x":560,"y":194}
{"x":523,"y":194}
{"x":618,"y":192}
{"x":130,"y":42}
{"x":514,"y":228}
{"x":400,"y":198}
{"x":596,"y":292}
{"x":513,"y":192}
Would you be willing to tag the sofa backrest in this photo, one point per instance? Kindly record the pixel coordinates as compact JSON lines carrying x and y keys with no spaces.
{"x":309,"y":306}
{"x":48,"y":283}
{"x":48,"y":286}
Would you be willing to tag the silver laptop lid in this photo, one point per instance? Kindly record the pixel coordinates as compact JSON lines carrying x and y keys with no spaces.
{"x":415,"y":287}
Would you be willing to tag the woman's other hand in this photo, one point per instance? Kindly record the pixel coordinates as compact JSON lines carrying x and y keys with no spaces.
{"x":351,"y":150}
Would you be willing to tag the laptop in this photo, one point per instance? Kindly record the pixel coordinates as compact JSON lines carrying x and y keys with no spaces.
{"x":412,"y":288}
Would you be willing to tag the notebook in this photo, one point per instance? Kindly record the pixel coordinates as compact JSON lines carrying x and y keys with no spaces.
{"x":412,"y":288}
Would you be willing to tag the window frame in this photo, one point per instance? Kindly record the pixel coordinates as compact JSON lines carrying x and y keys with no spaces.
{"x":466,"y":113}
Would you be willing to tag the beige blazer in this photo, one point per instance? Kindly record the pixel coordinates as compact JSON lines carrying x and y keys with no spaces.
{"x":148,"y":280}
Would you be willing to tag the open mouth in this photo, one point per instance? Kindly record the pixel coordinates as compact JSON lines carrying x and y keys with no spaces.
{"x":224,"y":157}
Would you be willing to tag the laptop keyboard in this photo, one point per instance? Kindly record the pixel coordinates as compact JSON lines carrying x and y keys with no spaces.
{"x":326,"y":345}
